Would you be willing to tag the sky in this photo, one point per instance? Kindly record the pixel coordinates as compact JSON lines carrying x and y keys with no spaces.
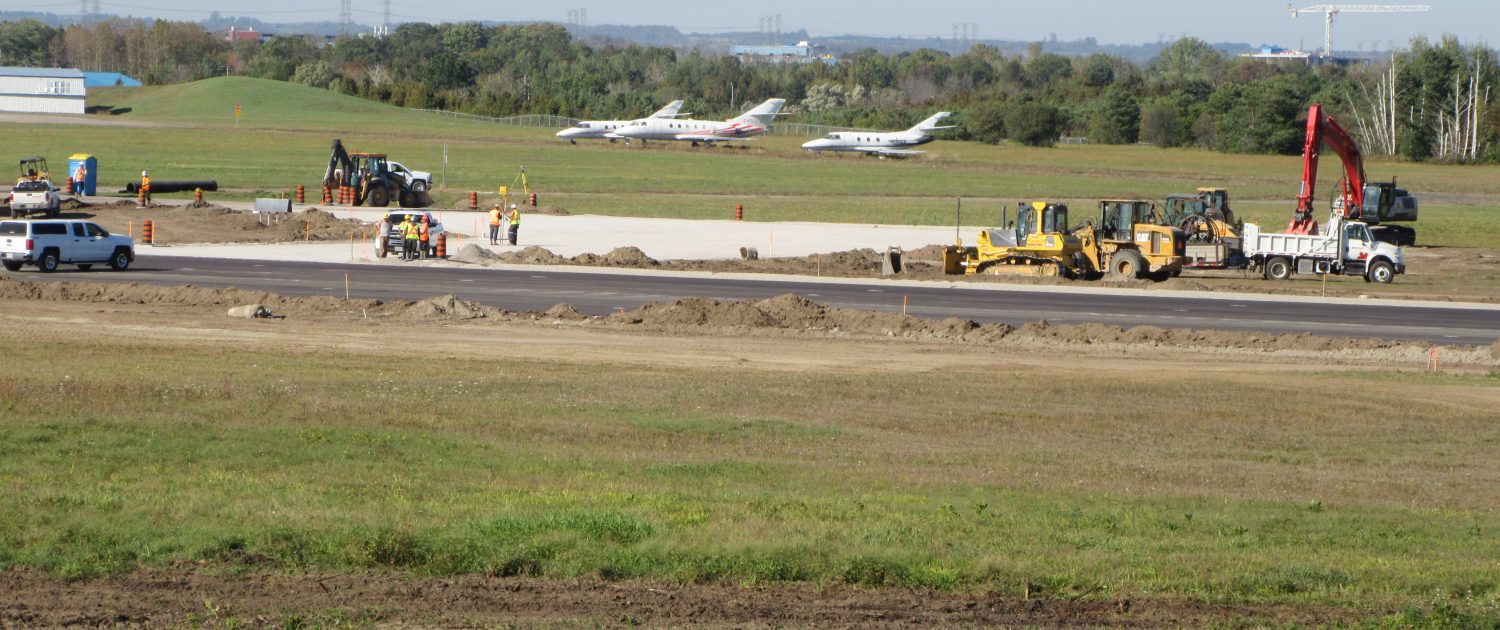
{"x":1109,"y":21}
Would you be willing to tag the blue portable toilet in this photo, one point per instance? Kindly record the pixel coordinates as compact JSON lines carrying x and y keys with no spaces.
{"x":90,"y":169}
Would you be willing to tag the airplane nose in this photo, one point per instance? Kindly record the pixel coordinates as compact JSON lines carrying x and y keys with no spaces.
{"x":814,"y":144}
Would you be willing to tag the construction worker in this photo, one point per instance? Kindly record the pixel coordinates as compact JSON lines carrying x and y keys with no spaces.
{"x":78,"y":176}
{"x":404,"y":228}
{"x":145,"y":189}
{"x":495,"y":224}
{"x":413,"y":246}
{"x":515,"y":223}
{"x":425,"y":236}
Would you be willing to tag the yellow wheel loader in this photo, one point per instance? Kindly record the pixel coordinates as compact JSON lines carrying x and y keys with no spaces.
{"x":1037,"y":244}
{"x":1131,"y":241}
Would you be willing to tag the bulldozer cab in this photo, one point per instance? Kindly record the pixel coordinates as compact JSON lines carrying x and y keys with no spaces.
{"x":34,"y":168}
{"x":1040,"y":218}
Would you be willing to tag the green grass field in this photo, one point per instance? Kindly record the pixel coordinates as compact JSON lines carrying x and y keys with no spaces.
{"x":117,"y":454}
{"x":188,"y":132}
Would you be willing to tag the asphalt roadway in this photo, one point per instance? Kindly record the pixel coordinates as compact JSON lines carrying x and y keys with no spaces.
{"x":601,"y":293}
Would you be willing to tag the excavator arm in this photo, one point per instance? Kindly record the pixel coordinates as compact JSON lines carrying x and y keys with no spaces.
{"x":338,"y":163}
{"x":1321,"y":131}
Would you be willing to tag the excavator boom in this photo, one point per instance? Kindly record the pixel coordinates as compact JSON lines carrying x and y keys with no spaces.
{"x":1322,"y":130}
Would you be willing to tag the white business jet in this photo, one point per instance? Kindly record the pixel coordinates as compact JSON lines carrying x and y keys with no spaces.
{"x":606,"y":128}
{"x":894,"y":144}
{"x":755,"y":122}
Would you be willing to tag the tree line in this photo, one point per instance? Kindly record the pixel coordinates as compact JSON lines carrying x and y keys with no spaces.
{"x":1434,"y":101}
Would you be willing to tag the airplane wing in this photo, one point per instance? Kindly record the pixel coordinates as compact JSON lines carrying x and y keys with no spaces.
{"x":887,"y":151}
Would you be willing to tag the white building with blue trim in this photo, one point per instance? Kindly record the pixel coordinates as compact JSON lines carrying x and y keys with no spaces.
{"x":41,"y":90}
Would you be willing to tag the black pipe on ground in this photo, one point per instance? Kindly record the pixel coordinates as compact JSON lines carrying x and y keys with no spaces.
{"x":171,"y":187}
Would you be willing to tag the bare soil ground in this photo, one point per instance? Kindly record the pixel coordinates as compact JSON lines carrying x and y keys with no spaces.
{"x":208,"y":223}
{"x":174,"y":597}
{"x":782,"y":316}
{"x":1443,"y":274}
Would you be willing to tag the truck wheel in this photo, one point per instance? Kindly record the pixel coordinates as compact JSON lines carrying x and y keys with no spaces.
{"x":119,"y":261}
{"x":419,"y":186}
{"x":1278,"y":269}
{"x":1380,"y":271}
{"x":378,"y":197}
{"x":48,"y":262}
{"x":1126,"y":265}
{"x":11,"y":265}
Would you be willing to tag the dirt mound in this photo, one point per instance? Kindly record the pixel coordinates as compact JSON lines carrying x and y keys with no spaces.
{"x":1495,"y":349}
{"x":474,"y":255}
{"x":319,"y":225}
{"x":794,"y":313}
{"x":565,"y":311}
{"x":629,"y":257}
{"x":532,"y":255}
{"x":443,"y":307}
{"x":204,"y":222}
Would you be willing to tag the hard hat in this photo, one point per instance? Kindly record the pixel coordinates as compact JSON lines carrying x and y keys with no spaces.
{"x":143,"y":173}
{"x":512,"y":206}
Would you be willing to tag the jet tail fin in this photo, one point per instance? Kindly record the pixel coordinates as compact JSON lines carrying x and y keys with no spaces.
{"x":931,"y":123}
{"x":670,"y":111}
{"x":763,"y":113}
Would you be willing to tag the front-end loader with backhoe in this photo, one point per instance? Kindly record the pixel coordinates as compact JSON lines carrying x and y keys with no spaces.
{"x":372,"y":179}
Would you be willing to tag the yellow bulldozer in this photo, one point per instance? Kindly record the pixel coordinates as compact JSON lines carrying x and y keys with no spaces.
{"x":1036,"y":244}
{"x":1130,"y":242}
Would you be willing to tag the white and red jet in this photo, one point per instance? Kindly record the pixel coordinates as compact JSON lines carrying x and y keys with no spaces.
{"x":753,"y":123}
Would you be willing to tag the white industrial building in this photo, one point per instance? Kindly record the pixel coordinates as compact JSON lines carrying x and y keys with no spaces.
{"x":41,"y":90}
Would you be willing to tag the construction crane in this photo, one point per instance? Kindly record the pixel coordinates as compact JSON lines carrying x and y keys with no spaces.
{"x":1330,"y":10}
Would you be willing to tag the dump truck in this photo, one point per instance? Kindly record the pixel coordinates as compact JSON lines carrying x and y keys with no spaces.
{"x":1348,"y":248}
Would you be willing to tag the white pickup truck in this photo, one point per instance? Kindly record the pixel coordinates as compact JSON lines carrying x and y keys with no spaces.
{"x":49,"y":243}
{"x":1347,"y":248}
{"x":35,"y":196}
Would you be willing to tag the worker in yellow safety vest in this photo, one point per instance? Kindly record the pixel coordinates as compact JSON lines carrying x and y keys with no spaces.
{"x":145,"y":188}
{"x":515,"y":224}
{"x":407,"y":230}
{"x":495,"y":224}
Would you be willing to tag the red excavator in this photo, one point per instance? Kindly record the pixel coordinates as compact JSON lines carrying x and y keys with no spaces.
{"x":1374,"y":203}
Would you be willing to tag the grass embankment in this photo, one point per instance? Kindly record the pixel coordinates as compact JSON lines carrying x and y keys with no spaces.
{"x":188,"y":132}
{"x":1001,"y":474}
